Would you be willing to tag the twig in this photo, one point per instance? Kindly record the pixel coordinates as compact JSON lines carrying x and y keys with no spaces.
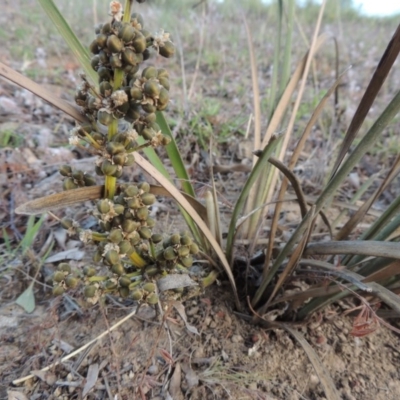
{"x":74,"y":353}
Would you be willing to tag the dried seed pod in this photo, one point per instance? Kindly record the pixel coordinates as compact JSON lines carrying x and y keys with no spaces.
{"x":123,"y":108}
{"x":58,"y":276}
{"x":112,"y":257}
{"x":67,"y":223}
{"x":77,"y":175}
{"x":129,"y":57}
{"x":142,"y":213}
{"x":89,"y":271}
{"x":114,"y":44}
{"x":107,"y":168}
{"x":115,"y":61}
{"x":150,"y":72}
{"x":149,"y":108}
{"x":150,"y":222}
{"x":148,"y":199}
{"x":139,"y":43}
{"x":127,"y":32}
{"x":90,"y":291}
{"x":175,"y":239}
{"x":106,"y":28}
{"x":101,"y":40}
{"x":119,"y":159}
{"x":169,"y":254}
{"x":149,"y":287}
{"x":65,"y":170}
{"x":136,"y":18}
{"x":156,"y":238}
{"x":165,"y":141}
{"x":89,"y":180}
{"x":93,"y":47}
{"x":104,"y":117}
{"x":105,"y":88}
{"x":125,"y":247}
{"x":137,"y":295}
{"x":103,"y":60}
{"x":164,"y":82}
{"x":152,"y":299}
{"x":134,"y":203}
{"x":110,"y":285}
{"x":162,"y":73}
{"x":131,"y":191}
{"x":71,"y":282}
{"x":58,"y":290}
{"x":128,"y":225}
{"x":118,"y":269}
{"x":64,"y":267}
{"x":115,"y":148}
{"x":144,"y":232}
{"x":131,"y":70}
{"x":134,"y":113}
{"x":150,"y":119}
{"x":151,"y":89}
{"x":123,"y":292}
{"x":136,"y":93}
{"x":151,"y":270}
{"x":115,"y":236}
{"x":119,"y":209}
{"x":144,"y":186}
{"x":186,"y":240}
{"x":69,"y":184}
{"x":187,"y":261}
{"x":163,"y":97}
{"x":168,"y":50}
{"x":134,"y":238}
{"x":104,"y":73}
{"x":148,"y":134}
{"x":124,"y":281}
{"x":183,"y":251}
{"x":129,"y":160}
{"x":94,"y":62}
{"x":194,"y":249}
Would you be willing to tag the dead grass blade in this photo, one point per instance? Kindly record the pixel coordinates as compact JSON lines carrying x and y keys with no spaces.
{"x":359,"y":215}
{"x":183,"y":202}
{"x":323,"y":375}
{"x":80,"y":195}
{"x":292,"y":163}
{"x":379,"y":77}
{"x":323,"y":291}
{"x":293,"y":260}
{"x":259,"y":168}
{"x":366,"y":248}
{"x":256,"y":91}
{"x":44,"y":94}
{"x":295,"y":184}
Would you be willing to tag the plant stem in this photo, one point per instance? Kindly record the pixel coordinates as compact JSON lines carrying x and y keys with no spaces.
{"x":110,"y":181}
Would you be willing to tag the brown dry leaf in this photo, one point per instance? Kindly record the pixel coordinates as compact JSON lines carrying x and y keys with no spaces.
{"x":174,"y":281}
{"x":181,"y":311}
{"x":175,"y":383}
{"x":91,"y":379}
{"x":45,"y":376}
{"x":72,"y":254}
{"x":12,"y":395}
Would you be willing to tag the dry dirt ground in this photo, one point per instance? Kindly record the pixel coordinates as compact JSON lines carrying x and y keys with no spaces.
{"x":194,"y":349}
